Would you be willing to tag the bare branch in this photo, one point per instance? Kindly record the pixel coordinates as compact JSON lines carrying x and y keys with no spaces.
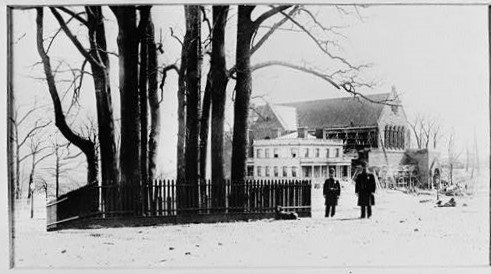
{"x":263,"y":17}
{"x":74,"y":15}
{"x":272,"y":30}
{"x":33,"y":131}
{"x":74,"y":39}
{"x":57,"y":32}
{"x":322,"y":45}
{"x":330,"y":29}
{"x":296,"y":67}
{"x":164,"y":76}
{"x":205,"y":19}
{"x":175,"y":37}
{"x":44,"y":157}
{"x":346,"y":86}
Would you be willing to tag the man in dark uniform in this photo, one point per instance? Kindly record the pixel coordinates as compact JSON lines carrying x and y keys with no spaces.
{"x":365,"y":187}
{"x":331,"y":191}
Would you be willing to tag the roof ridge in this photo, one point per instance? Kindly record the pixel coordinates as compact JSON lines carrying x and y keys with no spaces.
{"x":332,"y":99}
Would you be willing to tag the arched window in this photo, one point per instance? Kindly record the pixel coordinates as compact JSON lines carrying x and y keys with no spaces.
{"x":403,"y":141}
{"x":394,"y":136}
{"x":390,"y":143}
{"x":386,"y":136}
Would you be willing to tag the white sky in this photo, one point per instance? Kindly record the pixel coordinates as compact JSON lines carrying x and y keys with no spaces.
{"x":436,"y":56}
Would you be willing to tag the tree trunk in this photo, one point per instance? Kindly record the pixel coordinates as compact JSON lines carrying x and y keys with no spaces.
{"x":142,"y":30}
{"x":193,"y":76}
{"x":245,"y":30}
{"x":128,"y":87}
{"x":153,"y":99}
{"x":142,"y":33}
{"x":57,"y":172}
{"x":17,"y":166}
{"x":85,"y":145}
{"x":102,"y":84}
{"x":243,"y":92}
{"x":181,"y":113}
{"x":181,"y":131}
{"x":204,"y":131}
{"x":219,"y":82}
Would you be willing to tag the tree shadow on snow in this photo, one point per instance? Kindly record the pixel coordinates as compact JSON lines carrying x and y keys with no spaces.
{"x":349,"y":219}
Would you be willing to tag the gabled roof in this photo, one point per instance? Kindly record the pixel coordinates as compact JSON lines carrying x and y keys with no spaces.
{"x":286,"y":115}
{"x":339,"y":112}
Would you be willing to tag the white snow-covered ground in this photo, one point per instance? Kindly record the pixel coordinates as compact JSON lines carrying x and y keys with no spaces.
{"x":405,"y":230}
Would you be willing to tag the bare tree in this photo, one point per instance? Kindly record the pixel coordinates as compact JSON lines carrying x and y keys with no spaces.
{"x":17,"y":122}
{"x":87,"y":146}
{"x":64,"y":156}
{"x":344,"y":78}
{"x":192,"y":78}
{"x":426,"y":131}
{"x":98,"y":59}
{"x":246,"y":28}
{"x":128,"y":86}
{"x":217,"y":85}
{"x":37,"y":156}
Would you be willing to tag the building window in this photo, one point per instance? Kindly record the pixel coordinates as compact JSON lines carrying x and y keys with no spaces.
{"x":259,"y":153}
{"x":327,"y":153}
{"x":307,"y":171}
{"x":250,"y":171}
{"x":259,"y":171}
{"x":275,"y":153}
{"x":386,"y":136}
{"x":306,"y":154}
{"x":317,"y":152}
{"x":394,"y":135}
{"x":285,"y":172}
{"x":275,"y":171}
{"x":266,"y":153}
{"x":403,"y":137}
{"x":266,"y":172}
{"x":294,"y":152}
{"x":294,"y":171}
{"x":337,"y":152}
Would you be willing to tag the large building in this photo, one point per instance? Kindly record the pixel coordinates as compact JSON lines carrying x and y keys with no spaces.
{"x":373,"y":130}
{"x":297,"y":155}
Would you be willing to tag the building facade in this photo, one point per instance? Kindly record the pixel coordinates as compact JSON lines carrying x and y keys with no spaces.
{"x":297,"y":155}
{"x":372,"y":129}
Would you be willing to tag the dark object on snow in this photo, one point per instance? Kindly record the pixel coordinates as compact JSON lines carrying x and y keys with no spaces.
{"x":365,"y":187}
{"x":331,"y":191}
{"x":280,"y":214}
{"x":450,"y":203}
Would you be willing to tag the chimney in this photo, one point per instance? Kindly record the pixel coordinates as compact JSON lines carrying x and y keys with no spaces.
{"x":302,"y":132}
{"x":278,"y":132}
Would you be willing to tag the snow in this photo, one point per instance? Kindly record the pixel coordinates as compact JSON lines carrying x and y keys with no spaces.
{"x":405,"y":230}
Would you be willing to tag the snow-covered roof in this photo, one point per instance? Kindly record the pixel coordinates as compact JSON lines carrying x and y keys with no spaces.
{"x":286,"y":115}
{"x":294,"y":135}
